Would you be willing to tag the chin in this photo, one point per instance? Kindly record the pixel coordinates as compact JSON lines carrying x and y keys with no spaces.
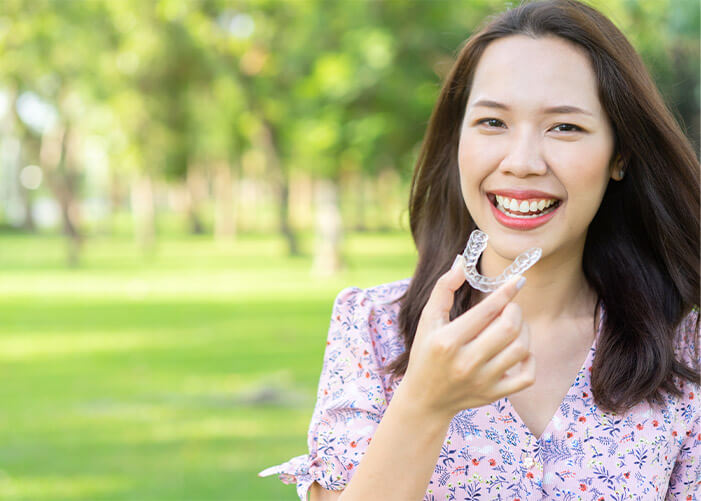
{"x":510,"y":255}
{"x":508,"y":238}
{"x":509,"y":247}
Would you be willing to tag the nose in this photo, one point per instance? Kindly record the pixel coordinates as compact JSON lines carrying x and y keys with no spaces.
{"x":524,"y":155}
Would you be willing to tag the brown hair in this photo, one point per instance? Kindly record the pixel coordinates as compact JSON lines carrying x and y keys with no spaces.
{"x":642,"y":249}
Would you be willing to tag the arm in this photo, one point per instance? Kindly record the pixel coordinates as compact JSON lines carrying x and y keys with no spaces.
{"x":318,"y":493}
{"x":403,"y":453}
{"x":351,"y":399}
{"x":394,"y":467}
{"x":453,"y":365}
{"x":684,"y":481}
{"x":450,"y":368}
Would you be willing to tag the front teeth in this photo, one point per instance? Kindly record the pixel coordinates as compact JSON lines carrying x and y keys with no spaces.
{"x":523,"y":206}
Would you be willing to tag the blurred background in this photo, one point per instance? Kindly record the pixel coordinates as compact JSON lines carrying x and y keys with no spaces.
{"x":185,"y":185}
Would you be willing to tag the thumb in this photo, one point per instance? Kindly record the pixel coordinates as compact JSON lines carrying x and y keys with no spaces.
{"x":437,"y":309}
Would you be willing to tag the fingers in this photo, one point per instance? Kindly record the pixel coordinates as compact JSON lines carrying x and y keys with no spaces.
{"x":506,"y":362}
{"x":499,"y":334}
{"x":517,"y":382}
{"x":437,"y":309}
{"x":474,"y":320}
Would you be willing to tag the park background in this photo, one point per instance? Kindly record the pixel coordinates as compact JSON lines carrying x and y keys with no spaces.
{"x":184,"y":188}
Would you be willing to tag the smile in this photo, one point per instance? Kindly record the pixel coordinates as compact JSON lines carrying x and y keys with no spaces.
{"x":523,"y":214}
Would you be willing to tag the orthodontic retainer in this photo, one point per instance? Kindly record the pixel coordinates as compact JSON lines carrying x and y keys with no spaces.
{"x":473,"y":250}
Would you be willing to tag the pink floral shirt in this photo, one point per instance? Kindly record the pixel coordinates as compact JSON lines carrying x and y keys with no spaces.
{"x":584,"y":453}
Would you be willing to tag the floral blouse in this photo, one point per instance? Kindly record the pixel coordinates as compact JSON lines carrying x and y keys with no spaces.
{"x":584,"y":453}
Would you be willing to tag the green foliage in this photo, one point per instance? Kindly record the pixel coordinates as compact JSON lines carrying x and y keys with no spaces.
{"x":345,"y":85}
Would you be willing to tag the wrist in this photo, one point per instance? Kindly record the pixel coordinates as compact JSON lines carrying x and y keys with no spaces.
{"x":411,"y":406}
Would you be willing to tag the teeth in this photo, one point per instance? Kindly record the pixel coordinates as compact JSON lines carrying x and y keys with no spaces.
{"x":523,"y":206}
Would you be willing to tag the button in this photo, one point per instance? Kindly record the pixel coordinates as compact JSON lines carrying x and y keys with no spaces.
{"x":528,"y":461}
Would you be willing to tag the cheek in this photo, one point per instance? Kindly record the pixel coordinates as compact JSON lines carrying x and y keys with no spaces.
{"x":477,"y":157}
{"x":471,"y":173}
{"x":585,"y":184}
{"x":474,"y":146}
{"x":464,"y":149}
{"x":583,"y":168}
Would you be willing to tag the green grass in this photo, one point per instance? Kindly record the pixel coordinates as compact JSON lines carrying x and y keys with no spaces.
{"x":134,"y":378}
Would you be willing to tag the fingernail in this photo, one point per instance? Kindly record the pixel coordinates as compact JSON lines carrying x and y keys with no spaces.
{"x":458,"y":259}
{"x":520,"y":283}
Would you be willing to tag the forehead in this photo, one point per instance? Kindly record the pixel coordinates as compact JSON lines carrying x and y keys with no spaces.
{"x":535,"y":72}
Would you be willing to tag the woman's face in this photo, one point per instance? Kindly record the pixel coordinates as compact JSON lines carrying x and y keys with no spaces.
{"x":533,"y":122}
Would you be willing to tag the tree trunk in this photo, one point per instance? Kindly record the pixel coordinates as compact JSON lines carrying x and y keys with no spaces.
{"x":272,"y":159}
{"x":58,"y":157}
{"x":329,"y":230}
{"x":115,"y":200}
{"x":302,"y":201}
{"x":196,"y":186}
{"x":361,"y":202}
{"x":13,"y":155}
{"x":224,"y":209}
{"x":11,"y":195}
{"x":143,"y":212}
{"x":369,"y":189}
{"x":387,"y":190}
{"x":284,"y":216}
{"x":28,"y":224}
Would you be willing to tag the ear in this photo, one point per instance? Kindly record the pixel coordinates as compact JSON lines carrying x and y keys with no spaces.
{"x":615,"y":168}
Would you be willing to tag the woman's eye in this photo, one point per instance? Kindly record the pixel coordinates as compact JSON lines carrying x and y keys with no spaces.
{"x":491,"y":122}
{"x":566,"y":128}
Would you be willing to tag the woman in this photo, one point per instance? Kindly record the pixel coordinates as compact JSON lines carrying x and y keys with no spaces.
{"x":584,"y":383}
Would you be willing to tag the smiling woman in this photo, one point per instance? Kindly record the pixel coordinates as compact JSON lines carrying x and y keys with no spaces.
{"x":535,"y":131}
{"x":582,"y":384}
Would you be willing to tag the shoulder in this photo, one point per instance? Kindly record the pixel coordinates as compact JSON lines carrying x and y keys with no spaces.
{"x":690,"y":323}
{"x":368,"y":317}
{"x":378,"y":296}
{"x":687,"y":338}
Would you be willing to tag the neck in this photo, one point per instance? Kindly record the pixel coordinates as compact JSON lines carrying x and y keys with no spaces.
{"x":556,"y":289}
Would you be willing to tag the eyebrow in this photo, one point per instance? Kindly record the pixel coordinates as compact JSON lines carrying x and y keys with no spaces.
{"x":562,"y":109}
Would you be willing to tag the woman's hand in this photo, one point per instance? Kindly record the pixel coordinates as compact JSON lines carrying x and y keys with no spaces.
{"x":464,"y":363}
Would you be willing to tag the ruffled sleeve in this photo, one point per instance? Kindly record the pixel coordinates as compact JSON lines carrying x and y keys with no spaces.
{"x":351,"y":400}
{"x":685,"y":479}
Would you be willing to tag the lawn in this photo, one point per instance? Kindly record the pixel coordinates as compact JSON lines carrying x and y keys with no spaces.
{"x":177,"y":376}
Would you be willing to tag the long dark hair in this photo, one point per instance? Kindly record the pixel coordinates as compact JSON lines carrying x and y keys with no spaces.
{"x":642,"y":249}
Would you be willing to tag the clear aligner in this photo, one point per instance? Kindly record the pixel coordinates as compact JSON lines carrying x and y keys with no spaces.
{"x":473,"y":250}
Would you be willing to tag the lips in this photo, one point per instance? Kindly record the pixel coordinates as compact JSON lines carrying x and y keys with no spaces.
{"x":523,"y":209}
{"x":523,"y":194}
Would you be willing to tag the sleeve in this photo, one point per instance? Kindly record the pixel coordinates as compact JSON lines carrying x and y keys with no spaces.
{"x":685,"y":479}
{"x":351,"y":401}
